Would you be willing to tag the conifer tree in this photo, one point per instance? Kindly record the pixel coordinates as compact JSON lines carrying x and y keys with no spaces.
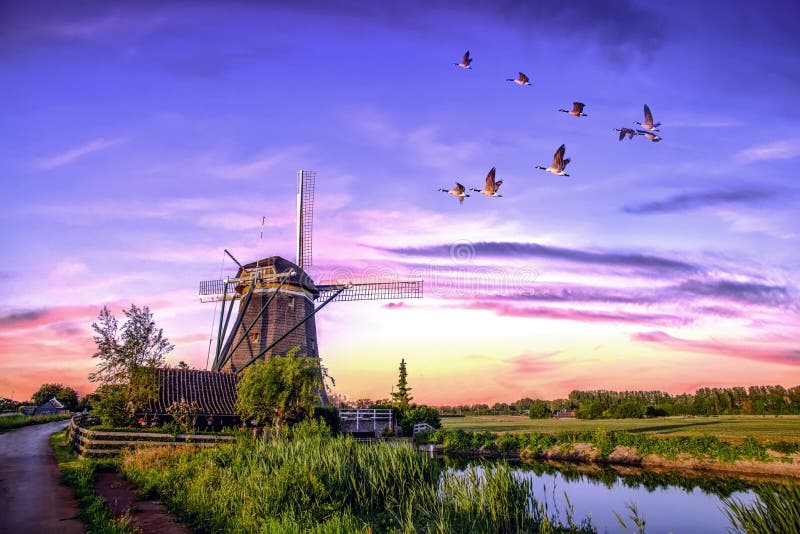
{"x":401,"y":397}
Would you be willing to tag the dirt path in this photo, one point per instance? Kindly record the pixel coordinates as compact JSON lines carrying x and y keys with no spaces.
{"x":148,"y":516}
{"x":31,"y":498}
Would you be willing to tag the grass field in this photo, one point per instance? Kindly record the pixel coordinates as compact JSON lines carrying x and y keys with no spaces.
{"x":730,"y":427}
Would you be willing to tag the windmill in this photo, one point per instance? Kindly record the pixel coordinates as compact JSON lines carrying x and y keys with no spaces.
{"x":278,"y":300}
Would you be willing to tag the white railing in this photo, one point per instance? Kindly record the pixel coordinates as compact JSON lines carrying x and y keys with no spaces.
{"x":422,"y":427}
{"x":367,"y":419}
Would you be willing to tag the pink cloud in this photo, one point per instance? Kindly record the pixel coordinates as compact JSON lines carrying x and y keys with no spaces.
{"x":779,"y":355}
{"x":580,"y":315}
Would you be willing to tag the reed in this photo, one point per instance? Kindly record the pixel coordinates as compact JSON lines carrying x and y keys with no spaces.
{"x":319,"y":483}
{"x":777,"y":509}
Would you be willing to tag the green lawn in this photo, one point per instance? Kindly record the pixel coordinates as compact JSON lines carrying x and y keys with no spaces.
{"x":729,"y":427}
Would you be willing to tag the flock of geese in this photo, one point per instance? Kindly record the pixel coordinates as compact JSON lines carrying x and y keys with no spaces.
{"x":648,"y":129}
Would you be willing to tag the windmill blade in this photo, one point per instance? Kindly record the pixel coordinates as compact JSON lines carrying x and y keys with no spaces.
{"x":406,"y":289}
{"x":215,"y":291}
{"x":305,"y":216}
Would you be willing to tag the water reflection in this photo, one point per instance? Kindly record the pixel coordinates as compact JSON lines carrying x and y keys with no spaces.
{"x":669,"y":501}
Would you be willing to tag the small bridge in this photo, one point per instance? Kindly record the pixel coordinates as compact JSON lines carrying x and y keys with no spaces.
{"x":366,"y":424}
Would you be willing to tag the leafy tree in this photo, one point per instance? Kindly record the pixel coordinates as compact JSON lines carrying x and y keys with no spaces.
{"x":128,"y":356}
{"x":280,"y":389}
{"x":401,"y":397}
{"x":589,"y":410}
{"x":45,"y":393}
{"x":63,"y":394}
{"x":539,"y":410}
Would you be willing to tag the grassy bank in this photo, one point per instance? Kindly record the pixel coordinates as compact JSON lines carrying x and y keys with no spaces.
{"x":316,"y":483}
{"x":733,"y":428}
{"x":80,"y":475}
{"x":10,"y":422}
{"x":603,"y":444}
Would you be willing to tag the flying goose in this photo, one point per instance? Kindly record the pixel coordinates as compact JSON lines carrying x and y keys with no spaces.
{"x":576,"y":111}
{"x":466,"y":61}
{"x":630,"y":132}
{"x":521,"y":79}
{"x":650,"y":135}
{"x":491,"y":186}
{"x":559,"y":163}
{"x":648,"y":120}
{"x":457,"y":191}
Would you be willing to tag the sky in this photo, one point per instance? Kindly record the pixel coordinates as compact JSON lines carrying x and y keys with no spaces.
{"x":138,"y":140}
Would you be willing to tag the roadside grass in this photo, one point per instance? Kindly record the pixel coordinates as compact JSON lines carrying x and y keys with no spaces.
{"x":732,"y":428}
{"x":80,"y":476}
{"x":10,"y":422}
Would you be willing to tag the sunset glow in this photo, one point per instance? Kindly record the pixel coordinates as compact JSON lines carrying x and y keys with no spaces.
{"x":140,"y":141}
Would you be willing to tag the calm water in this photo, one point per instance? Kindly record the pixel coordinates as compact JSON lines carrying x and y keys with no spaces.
{"x":668,"y":502}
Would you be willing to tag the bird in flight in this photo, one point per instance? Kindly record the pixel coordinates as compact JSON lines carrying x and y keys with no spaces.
{"x":576,"y":111}
{"x":559,"y":163}
{"x":491,"y":186}
{"x":458,"y":191}
{"x":522,"y":79}
{"x":650,"y":135}
{"x":630,"y":132}
{"x":466,"y":61}
{"x":648,"y":120}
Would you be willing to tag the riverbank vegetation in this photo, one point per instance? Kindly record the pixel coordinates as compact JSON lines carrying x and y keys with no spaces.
{"x":80,"y":475}
{"x":604,"y":443}
{"x":310,"y":481}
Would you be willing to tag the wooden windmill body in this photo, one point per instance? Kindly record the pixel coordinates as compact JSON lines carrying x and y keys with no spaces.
{"x":278,"y":300}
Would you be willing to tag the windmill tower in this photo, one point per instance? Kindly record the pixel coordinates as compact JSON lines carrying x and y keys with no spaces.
{"x":278,"y":300}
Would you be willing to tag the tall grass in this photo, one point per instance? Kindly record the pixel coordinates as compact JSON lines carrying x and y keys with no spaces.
{"x":333,"y":484}
{"x":777,"y":509}
{"x":80,"y":476}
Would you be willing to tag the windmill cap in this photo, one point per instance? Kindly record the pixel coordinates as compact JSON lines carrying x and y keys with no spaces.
{"x":281,"y":265}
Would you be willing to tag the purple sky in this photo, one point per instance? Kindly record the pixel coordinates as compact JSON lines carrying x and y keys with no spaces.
{"x":140,"y":140}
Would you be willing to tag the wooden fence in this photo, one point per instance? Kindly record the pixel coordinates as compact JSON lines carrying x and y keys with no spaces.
{"x":96,"y":443}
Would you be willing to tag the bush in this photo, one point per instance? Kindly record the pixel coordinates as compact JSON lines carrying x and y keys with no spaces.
{"x":539,"y":410}
{"x":111,"y":406}
{"x":330,"y":415}
{"x":419,"y":414}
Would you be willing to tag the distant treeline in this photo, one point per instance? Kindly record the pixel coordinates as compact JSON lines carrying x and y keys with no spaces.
{"x":754,"y":400}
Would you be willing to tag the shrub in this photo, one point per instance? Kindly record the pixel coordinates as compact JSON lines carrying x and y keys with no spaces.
{"x":111,"y":406}
{"x":539,"y":410}
{"x":419,"y":414}
{"x":330,"y":415}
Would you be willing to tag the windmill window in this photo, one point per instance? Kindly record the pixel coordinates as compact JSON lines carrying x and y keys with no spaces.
{"x":291,"y":302}
{"x":313,"y":345}
{"x":254,"y":337}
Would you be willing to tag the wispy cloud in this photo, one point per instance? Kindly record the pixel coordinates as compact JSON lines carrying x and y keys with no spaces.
{"x":733,"y":349}
{"x":64,"y":158}
{"x":505,"y":249}
{"x":783,"y":149}
{"x":691,"y":201}
{"x":259,"y":165}
{"x":581,"y":315}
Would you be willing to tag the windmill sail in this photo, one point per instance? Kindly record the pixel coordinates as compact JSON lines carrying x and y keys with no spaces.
{"x":305,"y":216}
{"x":406,"y":289}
